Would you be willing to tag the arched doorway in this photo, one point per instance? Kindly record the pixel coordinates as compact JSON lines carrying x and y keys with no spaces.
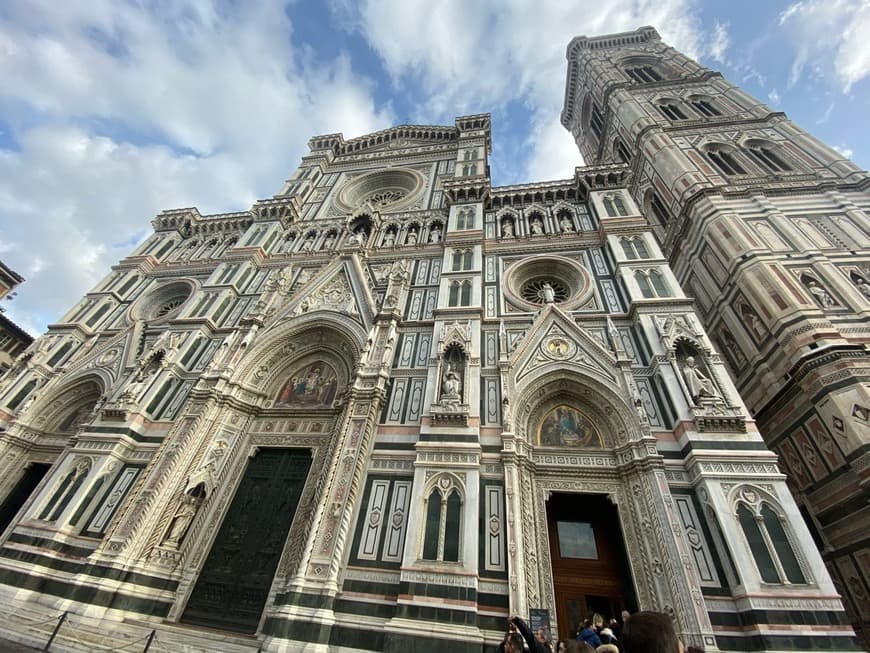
{"x":591,"y":573}
{"x":259,"y":536}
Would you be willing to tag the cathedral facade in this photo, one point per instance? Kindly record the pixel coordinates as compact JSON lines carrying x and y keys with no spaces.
{"x":392,"y":405}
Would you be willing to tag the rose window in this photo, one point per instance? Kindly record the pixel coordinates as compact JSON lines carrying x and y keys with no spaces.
{"x":385,"y":197}
{"x":169,"y":306}
{"x":393,"y":189}
{"x":533,"y":290}
{"x":525,"y":282}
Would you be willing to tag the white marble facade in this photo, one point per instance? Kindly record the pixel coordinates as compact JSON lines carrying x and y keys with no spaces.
{"x":406,"y":329}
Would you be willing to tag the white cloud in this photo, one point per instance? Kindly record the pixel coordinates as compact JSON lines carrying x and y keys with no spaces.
{"x":829,"y":34}
{"x":473,"y":57}
{"x":719,"y":42}
{"x":845,"y":151}
{"x":121,"y":111}
{"x":774,"y":97}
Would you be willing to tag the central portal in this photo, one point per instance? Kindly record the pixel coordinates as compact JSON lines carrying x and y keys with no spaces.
{"x":590,"y":568}
{"x":232,"y":589}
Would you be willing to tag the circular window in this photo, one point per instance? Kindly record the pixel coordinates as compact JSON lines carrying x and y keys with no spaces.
{"x":163,"y":302}
{"x":525,"y":282}
{"x":385,"y":189}
{"x":533,"y":290}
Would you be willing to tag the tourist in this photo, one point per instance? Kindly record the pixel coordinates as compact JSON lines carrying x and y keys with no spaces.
{"x":650,"y":632}
{"x":587,"y":634}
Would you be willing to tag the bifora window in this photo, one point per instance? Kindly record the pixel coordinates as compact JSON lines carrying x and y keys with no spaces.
{"x":768,"y":542}
{"x":443,"y":512}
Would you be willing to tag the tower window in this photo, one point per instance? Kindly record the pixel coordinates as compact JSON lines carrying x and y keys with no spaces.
{"x":620,"y":151}
{"x":596,"y":121}
{"x":643,"y":74}
{"x":726,"y":162}
{"x":658,"y":209}
{"x":672,"y":111}
{"x":767,"y":157}
{"x":705,"y":107}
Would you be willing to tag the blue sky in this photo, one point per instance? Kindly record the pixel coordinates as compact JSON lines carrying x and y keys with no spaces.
{"x":112,"y":111}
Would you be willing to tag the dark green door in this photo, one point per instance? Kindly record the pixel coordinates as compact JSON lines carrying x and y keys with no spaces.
{"x":232,"y":588}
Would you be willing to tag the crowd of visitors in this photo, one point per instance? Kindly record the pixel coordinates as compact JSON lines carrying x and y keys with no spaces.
{"x":642,"y":632}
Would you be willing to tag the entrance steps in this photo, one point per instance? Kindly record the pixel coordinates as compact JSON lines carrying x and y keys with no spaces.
{"x":31,"y":624}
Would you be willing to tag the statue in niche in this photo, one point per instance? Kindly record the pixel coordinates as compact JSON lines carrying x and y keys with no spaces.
{"x":136,"y":385}
{"x":861,"y":284}
{"x":566,"y":223}
{"x":822,"y":296}
{"x":357,"y":238}
{"x":29,"y":402}
{"x":390,"y":239}
{"x":451,"y":387}
{"x":307,"y":244}
{"x":537,"y":226}
{"x":732,"y":349}
{"x":507,"y":229}
{"x":329,"y":243}
{"x":752,"y":321}
{"x":696,"y":382}
{"x":184,"y":514}
{"x":412,"y":237}
{"x":435,"y":234}
{"x":451,"y":381}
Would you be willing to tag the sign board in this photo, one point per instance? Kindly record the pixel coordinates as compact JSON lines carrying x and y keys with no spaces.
{"x":539,"y":618}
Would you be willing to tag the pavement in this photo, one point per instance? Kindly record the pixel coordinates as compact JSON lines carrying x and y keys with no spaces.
{"x":7,"y":646}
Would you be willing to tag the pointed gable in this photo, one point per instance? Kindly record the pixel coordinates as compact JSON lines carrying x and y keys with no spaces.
{"x":554,"y":339}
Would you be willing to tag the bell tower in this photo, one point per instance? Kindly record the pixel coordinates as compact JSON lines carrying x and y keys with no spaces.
{"x":767,"y":228}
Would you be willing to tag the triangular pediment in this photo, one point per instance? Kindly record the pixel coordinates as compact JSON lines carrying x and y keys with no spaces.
{"x":339,"y":286}
{"x":555,"y":340}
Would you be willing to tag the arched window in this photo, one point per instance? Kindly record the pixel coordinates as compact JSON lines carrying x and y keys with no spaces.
{"x":773,"y":554}
{"x":60,"y":354}
{"x":643,"y":74}
{"x":465,"y":219}
{"x":658,"y":284}
{"x":442,"y":530}
{"x":460,"y":293}
{"x":614,"y":205}
{"x":620,"y":151}
{"x":462,"y":259}
{"x":596,"y":121}
{"x":659,"y":211}
{"x":634,"y":247}
{"x":21,"y":395}
{"x":671,"y":110}
{"x":725,"y":161}
{"x":704,"y":106}
{"x":767,"y":157}
{"x":651,"y":283}
{"x":644,"y":284}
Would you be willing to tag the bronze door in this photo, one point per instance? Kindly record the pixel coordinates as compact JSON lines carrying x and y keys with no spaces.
{"x":232,"y":588}
{"x":590,"y":569}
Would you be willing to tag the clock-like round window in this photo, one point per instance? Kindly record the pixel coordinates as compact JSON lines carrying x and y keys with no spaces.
{"x":526,"y":281}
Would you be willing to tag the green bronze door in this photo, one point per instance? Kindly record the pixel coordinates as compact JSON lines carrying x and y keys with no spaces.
{"x":231,"y":591}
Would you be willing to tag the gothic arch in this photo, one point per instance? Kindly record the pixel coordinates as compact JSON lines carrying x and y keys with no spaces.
{"x":284,"y":343}
{"x":65,"y":402}
{"x":562,"y":384}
